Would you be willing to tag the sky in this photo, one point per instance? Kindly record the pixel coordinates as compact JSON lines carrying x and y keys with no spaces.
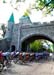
{"x":6,"y":9}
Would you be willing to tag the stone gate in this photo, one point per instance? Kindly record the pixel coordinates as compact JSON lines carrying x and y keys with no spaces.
{"x":27,"y":31}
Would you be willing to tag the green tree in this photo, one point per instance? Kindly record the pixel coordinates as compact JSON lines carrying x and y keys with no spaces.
{"x":48,"y":5}
{"x":53,"y":47}
{"x":44,"y":5}
{"x":36,"y":45}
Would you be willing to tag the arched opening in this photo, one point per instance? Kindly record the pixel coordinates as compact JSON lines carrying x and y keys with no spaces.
{"x":12,"y":48}
{"x":25,"y":43}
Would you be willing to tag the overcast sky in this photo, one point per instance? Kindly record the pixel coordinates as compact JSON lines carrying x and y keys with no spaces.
{"x":6,"y":9}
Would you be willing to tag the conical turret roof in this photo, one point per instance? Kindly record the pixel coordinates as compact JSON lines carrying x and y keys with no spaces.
{"x":11,"y":19}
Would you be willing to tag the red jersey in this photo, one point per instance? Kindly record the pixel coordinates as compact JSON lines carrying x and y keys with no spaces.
{"x":1,"y":56}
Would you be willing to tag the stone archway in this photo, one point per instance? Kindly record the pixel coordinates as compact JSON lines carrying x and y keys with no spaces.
{"x":25,"y":31}
{"x":28,"y":39}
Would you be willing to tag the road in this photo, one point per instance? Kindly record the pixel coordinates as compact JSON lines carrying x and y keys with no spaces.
{"x":31,"y":68}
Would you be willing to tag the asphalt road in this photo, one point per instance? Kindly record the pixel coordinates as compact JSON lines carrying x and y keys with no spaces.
{"x":31,"y":68}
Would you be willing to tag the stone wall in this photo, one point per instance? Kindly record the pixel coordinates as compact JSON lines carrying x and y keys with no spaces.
{"x":22,"y":31}
{"x":4,"y":45}
{"x":47,"y":30}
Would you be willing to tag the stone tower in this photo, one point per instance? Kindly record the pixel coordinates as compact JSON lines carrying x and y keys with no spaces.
{"x":9,"y":31}
{"x":10,"y":27}
{"x":16,"y":35}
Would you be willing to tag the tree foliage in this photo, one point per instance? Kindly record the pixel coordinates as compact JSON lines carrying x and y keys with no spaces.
{"x":47,"y":5}
{"x":36,"y":45}
{"x":44,"y":5}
